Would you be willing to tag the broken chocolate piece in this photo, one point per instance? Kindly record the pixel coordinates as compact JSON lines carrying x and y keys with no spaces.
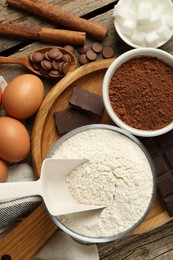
{"x":70,"y":119}
{"x":87,"y":101}
{"x":160,"y":165}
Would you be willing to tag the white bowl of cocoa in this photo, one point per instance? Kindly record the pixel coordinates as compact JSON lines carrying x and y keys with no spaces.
{"x":138,"y":91}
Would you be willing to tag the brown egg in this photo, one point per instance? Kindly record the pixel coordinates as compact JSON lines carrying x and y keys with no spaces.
{"x":23,"y":96}
{"x":14,"y":140}
{"x":0,"y":95}
{"x":3,"y":171}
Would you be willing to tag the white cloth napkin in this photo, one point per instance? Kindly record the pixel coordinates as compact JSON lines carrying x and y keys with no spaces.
{"x":62,"y":247}
{"x":14,"y":209}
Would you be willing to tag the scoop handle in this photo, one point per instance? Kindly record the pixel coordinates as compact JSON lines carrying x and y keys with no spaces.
{"x":9,"y":60}
{"x":10,"y":190}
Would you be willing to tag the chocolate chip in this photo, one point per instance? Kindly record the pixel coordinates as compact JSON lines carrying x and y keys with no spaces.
{"x":53,"y":53}
{"x":36,"y":57}
{"x":66,"y":58}
{"x":66,"y":67}
{"x":43,"y":71}
{"x":91,"y":55}
{"x":36,"y":66}
{"x":83,"y":59}
{"x":83,"y":49}
{"x":60,"y":68}
{"x":47,"y":65}
{"x":46,"y":56}
{"x":54,"y":73}
{"x":55,"y":64}
{"x":107,"y":52}
{"x":52,"y":62}
{"x":60,"y":55}
{"x":69,"y":48}
{"x":97,"y":47}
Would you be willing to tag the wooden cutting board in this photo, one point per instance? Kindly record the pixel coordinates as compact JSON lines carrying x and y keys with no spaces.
{"x":90,"y":77}
{"x":38,"y":225}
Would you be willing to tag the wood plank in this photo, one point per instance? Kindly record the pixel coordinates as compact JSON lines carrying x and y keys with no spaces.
{"x":156,"y":244}
{"x":112,"y":39}
{"x":77,"y":7}
{"x":16,"y":16}
{"x":29,"y":236}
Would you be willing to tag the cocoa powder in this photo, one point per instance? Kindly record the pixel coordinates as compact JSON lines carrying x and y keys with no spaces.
{"x":141,"y":93}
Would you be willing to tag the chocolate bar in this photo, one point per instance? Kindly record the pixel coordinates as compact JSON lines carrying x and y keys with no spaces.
{"x":168,"y":201}
{"x":165,"y":185}
{"x":87,"y":101}
{"x":70,"y":119}
{"x":161,"y":151}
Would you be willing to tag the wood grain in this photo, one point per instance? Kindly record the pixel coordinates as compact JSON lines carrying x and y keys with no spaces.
{"x":23,"y":18}
{"x":29,"y":236}
{"x":44,"y":132}
{"x":153,"y":245}
{"x":60,"y":16}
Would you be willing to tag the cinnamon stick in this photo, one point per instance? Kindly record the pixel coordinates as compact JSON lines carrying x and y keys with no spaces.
{"x":62,"y":17}
{"x":43,"y":34}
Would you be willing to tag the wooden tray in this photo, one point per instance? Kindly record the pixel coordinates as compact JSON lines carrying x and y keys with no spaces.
{"x":45,"y":134}
{"x":38,"y":225}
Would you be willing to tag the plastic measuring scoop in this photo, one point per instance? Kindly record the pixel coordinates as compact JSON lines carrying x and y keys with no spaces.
{"x":51,"y":186}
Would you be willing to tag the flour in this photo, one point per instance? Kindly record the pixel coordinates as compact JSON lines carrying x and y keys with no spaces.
{"x":117,"y":174}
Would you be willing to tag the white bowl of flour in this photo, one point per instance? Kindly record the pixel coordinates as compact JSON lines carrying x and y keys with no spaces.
{"x":119,"y":173}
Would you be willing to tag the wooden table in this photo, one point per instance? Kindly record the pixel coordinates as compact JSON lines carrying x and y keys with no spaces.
{"x":156,"y":244}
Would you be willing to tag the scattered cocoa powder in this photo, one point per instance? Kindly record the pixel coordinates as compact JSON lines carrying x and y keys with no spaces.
{"x":141,"y":93}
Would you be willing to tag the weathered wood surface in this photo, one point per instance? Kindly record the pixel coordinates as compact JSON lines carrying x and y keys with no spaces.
{"x":156,"y":244}
{"x":80,"y":8}
{"x":153,"y":245}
